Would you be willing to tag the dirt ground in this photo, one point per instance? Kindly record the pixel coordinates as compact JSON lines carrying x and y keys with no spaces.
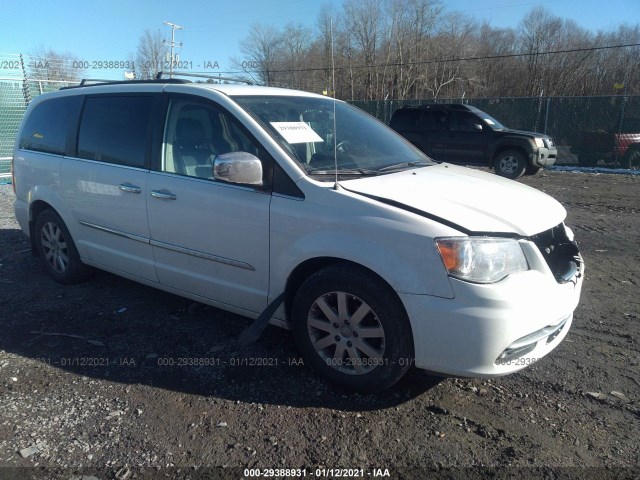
{"x":99,"y":379}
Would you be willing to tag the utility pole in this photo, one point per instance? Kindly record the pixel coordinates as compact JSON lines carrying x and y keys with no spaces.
{"x":172,"y":59}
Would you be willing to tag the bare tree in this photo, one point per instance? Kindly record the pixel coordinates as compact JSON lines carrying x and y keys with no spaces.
{"x":151,"y":54}
{"x":539,"y":33}
{"x":295,"y":46}
{"x":413,"y":26}
{"x":412,"y":49}
{"x":47,"y":64}
{"x":261,"y":54}
{"x":363,"y":20}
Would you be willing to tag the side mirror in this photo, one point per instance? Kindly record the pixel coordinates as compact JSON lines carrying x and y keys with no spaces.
{"x":477,"y":126}
{"x":238,"y":167}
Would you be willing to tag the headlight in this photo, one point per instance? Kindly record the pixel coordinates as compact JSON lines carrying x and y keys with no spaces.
{"x":481,"y":259}
{"x":539,"y":142}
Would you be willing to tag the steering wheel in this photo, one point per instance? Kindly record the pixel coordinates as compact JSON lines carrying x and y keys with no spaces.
{"x":343,"y":146}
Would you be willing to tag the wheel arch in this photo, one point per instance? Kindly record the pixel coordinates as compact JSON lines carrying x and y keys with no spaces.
{"x":312,"y":265}
{"x":35,"y":209}
{"x":506,"y":147}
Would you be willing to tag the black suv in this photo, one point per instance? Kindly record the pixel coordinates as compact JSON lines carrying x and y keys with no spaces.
{"x":460,"y":133}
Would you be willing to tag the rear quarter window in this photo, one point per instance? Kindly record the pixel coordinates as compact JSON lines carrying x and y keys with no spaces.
{"x":49,"y":124}
{"x":115,"y":129}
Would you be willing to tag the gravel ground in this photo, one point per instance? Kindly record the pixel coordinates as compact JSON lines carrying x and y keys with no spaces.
{"x":112,"y":379}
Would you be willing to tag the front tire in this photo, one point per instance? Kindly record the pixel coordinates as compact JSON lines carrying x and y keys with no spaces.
{"x":510,"y":164}
{"x":352,"y":329}
{"x":57,"y":250}
{"x":531,"y":170}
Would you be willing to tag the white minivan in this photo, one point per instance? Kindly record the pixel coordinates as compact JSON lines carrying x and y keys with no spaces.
{"x":300,"y":211}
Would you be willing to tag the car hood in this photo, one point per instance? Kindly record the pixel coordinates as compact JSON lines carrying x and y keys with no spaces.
{"x":522,"y":132}
{"x":470,"y":200}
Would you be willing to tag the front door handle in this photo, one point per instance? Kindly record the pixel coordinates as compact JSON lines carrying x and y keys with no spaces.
{"x":127,"y":187}
{"x":164,"y":195}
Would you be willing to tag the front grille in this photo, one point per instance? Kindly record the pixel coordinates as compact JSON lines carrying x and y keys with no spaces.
{"x":561,"y":253}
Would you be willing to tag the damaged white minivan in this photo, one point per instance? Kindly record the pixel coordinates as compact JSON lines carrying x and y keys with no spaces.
{"x":303,"y":212}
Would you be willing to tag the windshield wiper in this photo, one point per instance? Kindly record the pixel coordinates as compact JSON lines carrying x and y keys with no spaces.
{"x":403,"y":165}
{"x":343,"y":171}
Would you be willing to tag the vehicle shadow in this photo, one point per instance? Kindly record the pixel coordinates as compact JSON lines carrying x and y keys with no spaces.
{"x":117,"y":330}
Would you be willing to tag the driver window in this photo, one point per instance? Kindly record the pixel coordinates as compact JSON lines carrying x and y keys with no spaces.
{"x":464,"y":122}
{"x":195,"y":133}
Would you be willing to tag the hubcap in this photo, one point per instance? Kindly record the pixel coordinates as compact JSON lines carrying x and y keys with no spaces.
{"x":508,"y":164}
{"x":346,"y":333}
{"x":54,"y":247}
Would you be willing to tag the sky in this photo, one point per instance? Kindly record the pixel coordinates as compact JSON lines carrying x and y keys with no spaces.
{"x":109,"y":30}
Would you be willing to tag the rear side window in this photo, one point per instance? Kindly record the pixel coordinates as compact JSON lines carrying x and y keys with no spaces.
{"x":433,"y":120}
{"x":114,"y":129}
{"x":49,"y":123}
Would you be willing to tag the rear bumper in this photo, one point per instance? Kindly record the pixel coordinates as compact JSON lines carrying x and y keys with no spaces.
{"x":21,"y":209}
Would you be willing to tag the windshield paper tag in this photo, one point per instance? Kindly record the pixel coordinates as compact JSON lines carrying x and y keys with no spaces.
{"x":296,"y":132}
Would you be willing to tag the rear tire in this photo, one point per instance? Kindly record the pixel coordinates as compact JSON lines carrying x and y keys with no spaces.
{"x":352,"y":329}
{"x":57,"y":250}
{"x":510,"y":164}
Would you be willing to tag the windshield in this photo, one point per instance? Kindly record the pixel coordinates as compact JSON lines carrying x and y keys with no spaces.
{"x":303,"y":126}
{"x":489,"y":120}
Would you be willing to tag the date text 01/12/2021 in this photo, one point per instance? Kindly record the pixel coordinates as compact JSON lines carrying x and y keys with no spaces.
{"x":131,"y":65}
{"x":318,"y":472}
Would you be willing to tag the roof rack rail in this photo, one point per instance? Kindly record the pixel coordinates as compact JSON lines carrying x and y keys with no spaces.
{"x":210,"y":77}
{"x":95,"y":82}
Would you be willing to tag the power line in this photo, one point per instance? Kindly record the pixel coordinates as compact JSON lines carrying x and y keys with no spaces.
{"x":446,"y":60}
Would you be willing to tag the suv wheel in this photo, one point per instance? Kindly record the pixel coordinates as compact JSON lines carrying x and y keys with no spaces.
{"x":57,"y":250}
{"x":352,"y":329}
{"x":510,"y":164}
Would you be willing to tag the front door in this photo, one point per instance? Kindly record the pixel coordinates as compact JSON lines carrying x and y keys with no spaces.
{"x":467,"y":141}
{"x":209,"y":238}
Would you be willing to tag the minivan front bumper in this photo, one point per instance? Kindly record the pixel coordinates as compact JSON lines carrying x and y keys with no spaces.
{"x":492,"y":330}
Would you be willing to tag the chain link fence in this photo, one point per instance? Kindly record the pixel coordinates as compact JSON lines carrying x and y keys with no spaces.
{"x":16,"y":91}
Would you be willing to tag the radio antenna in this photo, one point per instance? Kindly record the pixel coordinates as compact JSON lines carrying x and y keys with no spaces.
{"x":333,"y":93}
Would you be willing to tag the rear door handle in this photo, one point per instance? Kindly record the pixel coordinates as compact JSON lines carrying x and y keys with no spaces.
{"x":164,"y":195}
{"x":127,"y":187}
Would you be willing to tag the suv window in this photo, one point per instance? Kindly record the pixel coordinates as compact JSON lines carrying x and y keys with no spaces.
{"x":464,"y":122}
{"x":114,"y":129}
{"x":47,"y":126}
{"x":405,"y":119}
{"x":196,"y":132}
{"x":433,"y":120}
